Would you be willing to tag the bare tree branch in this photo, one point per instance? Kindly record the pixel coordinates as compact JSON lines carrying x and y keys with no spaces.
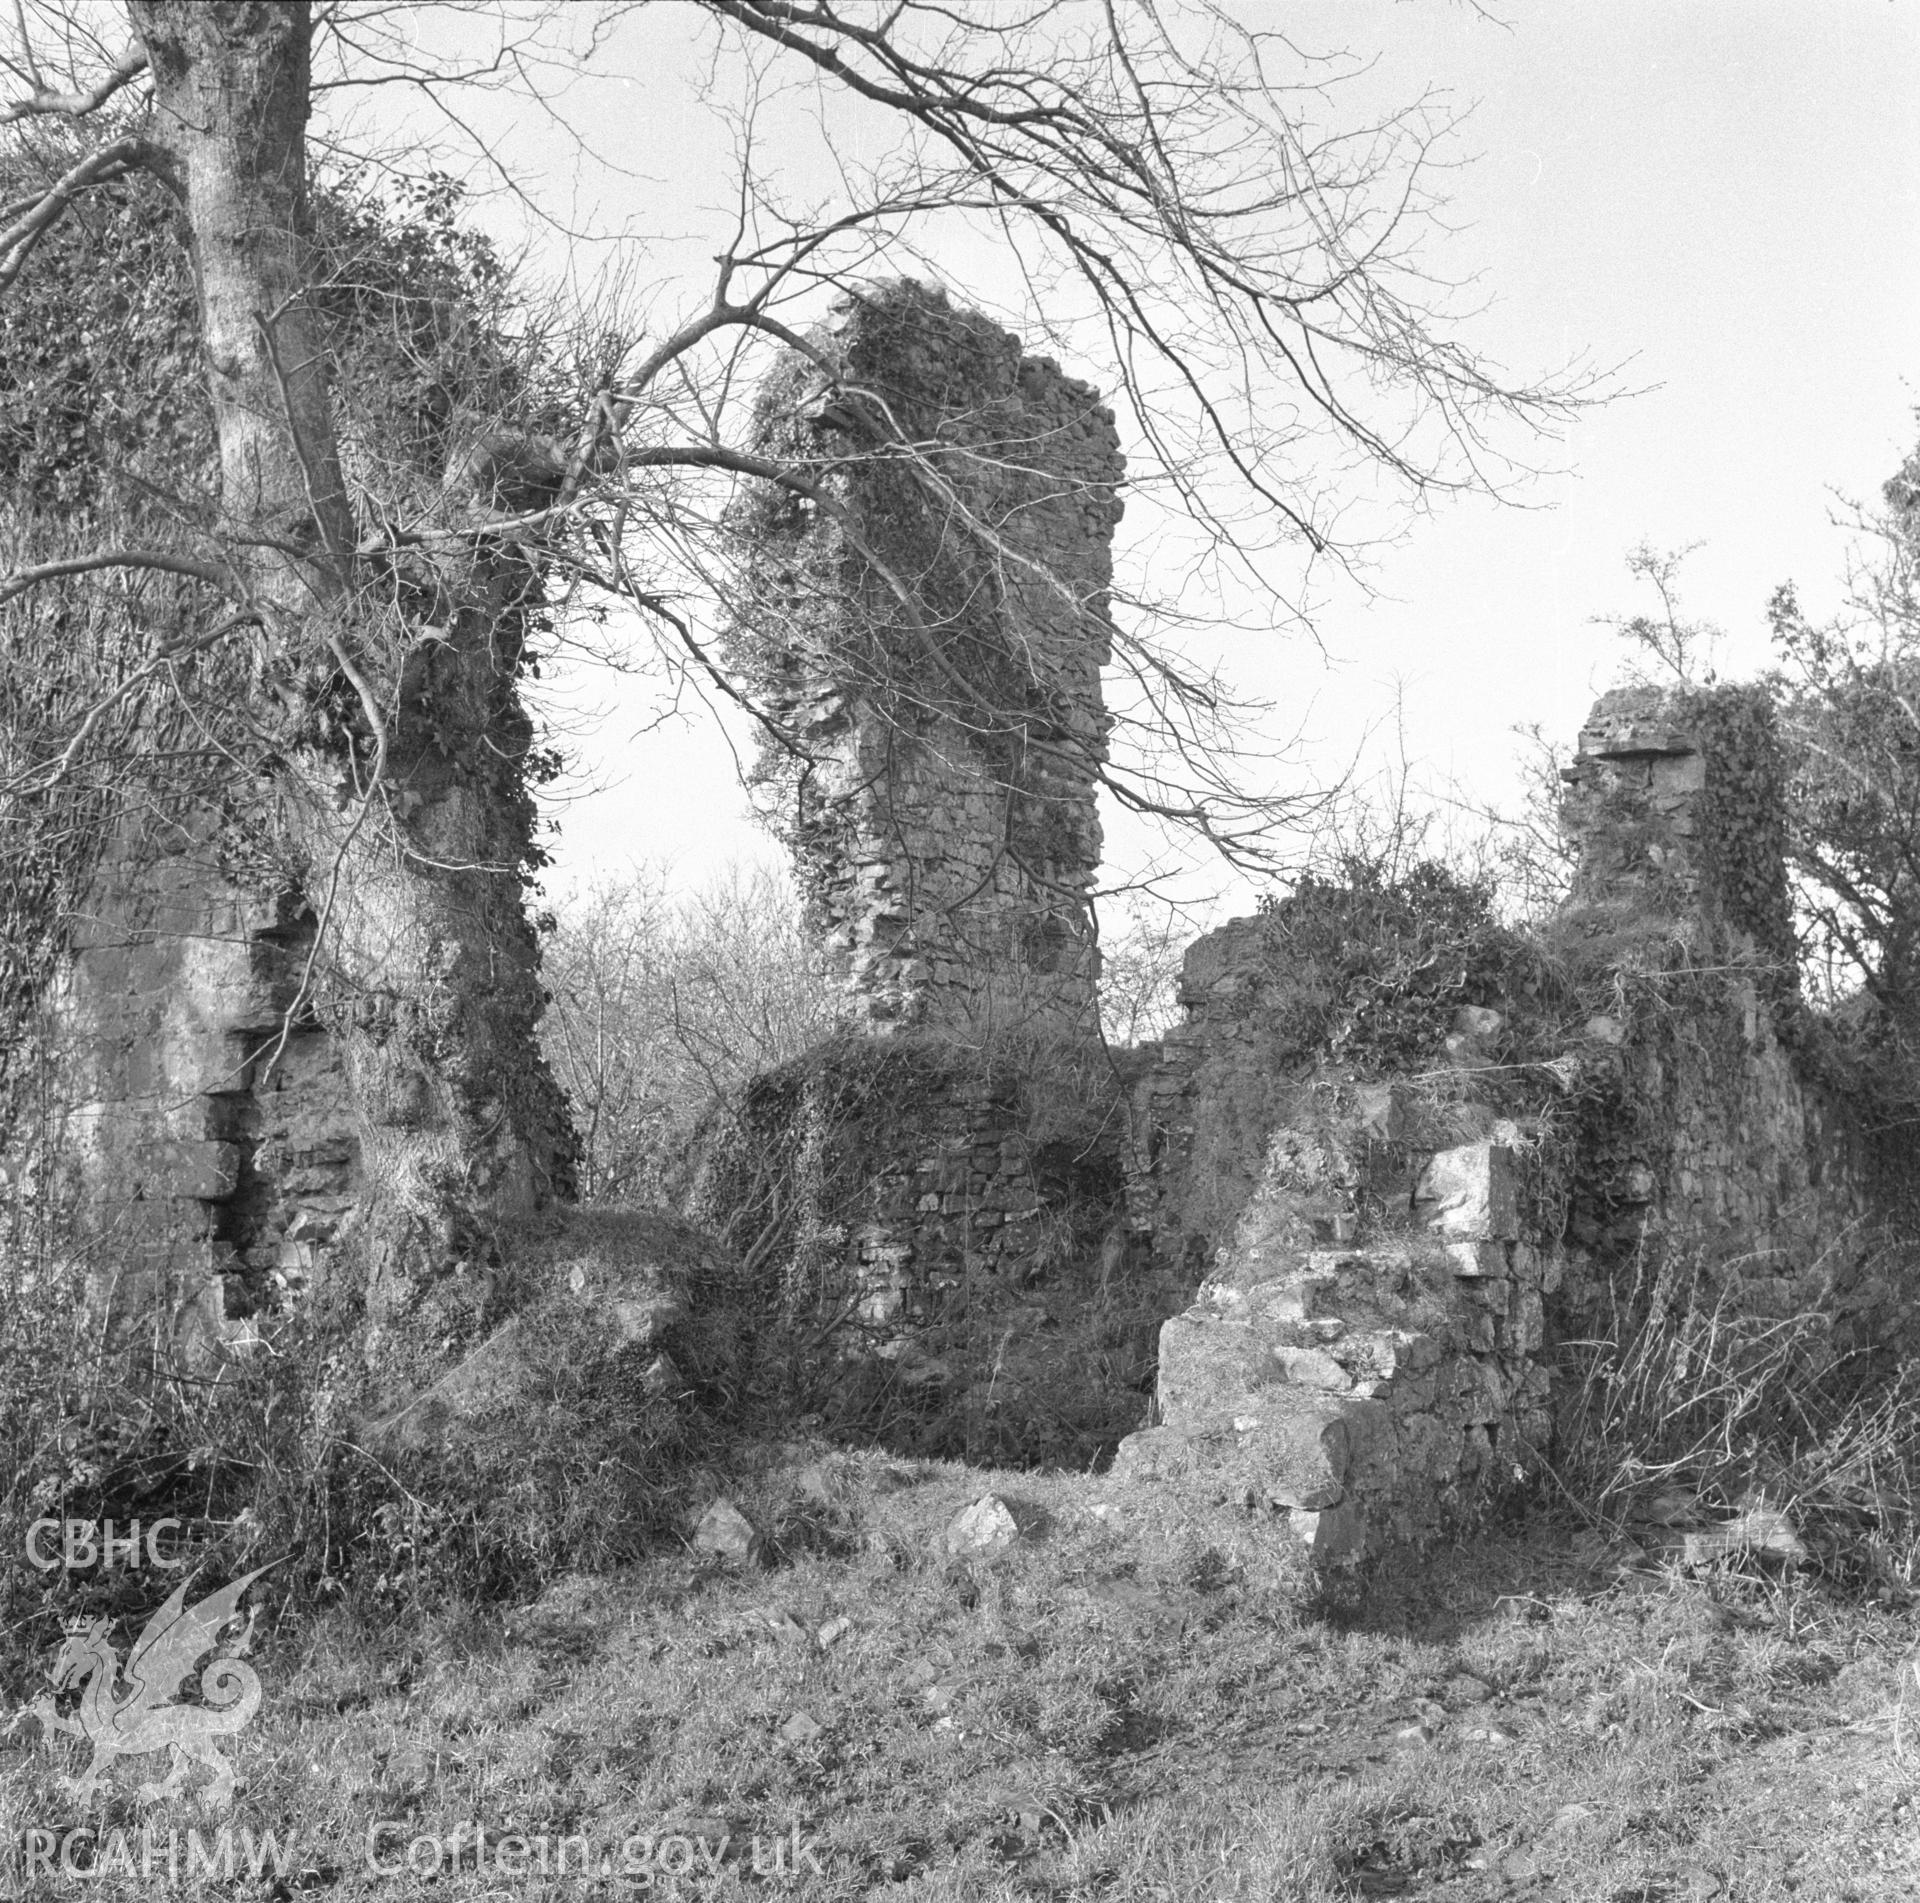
{"x":36,"y":217}
{"x":161,"y":560}
{"x":45,"y":780}
{"x":74,"y":102}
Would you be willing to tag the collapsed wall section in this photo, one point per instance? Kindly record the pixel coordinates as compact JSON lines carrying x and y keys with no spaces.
{"x":1397,"y":1191}
{"x":925,"y":611}
{"x":1363,"y":1357}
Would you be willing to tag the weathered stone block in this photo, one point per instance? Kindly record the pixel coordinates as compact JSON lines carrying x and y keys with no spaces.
{"x":640,"y":1316}
{"x":1677,"y":777}
{"x":1295,"y":1450}
{"x":1153,"y":1454}
{"x":208,"y":1171}
{"x":1632,"y":723}
{"x":1471,"y":1193}
{"x":1412,"y":1352}
{"x":1479,"y":1332}
{"x":1427,"y":1448}
{"x":1312,"y":1368}
{"x":1334,"y":1536}
{"x":1474,"y":1261}
{"x":104,"y":969}
{"x":148,"y":1220}
{"x":1378,"y":1112}
{"x":1412,"y":1392}
{"x":1277,"y":1304}
{"x":1205,"y":1361}
{"x":153,"y":970}
{"x":1485,"y":1393}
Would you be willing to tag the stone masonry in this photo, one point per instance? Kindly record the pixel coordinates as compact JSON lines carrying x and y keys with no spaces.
{"x":936,"y":1223}
{"x":1363,"y":1355}
{"x":1373,"y":1260}
{"x":210,"y":1144}
{"x":929,"y":623}
{"x":925,"y":609}
{"x":1386,"y":1260}
{"x":1744,"y":1153}
{"x":1382,"y":1257}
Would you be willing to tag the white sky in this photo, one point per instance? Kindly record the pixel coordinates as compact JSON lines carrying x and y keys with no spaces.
{"x":1723,"y":195}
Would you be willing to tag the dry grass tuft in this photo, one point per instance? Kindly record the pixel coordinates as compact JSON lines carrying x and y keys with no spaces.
{"x":1686,"y":1411}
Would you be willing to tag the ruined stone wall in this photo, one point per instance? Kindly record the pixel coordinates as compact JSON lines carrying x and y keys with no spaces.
{"x":936,"y":1191}
{"x":1363,"y":1354}
{"x":932,"y":628}
{"x":945,"y":1231}
{"x":1385,"y":1256}
{"x":931,"y":624}
{"x":921,"y":1169}
{"x":211,"y":1159}
{"x":1732,"y":1148}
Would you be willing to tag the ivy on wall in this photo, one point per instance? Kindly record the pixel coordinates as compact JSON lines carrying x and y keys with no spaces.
{"x":106,"y":438}
{"x":1741,"y":814}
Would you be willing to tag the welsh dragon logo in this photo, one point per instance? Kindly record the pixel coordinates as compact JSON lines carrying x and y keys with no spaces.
{"x":143,"y":1719}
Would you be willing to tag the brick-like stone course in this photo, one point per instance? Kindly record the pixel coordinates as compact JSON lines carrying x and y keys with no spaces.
{"x":924,"y":1191}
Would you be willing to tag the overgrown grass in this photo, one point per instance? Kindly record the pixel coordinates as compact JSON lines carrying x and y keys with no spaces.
{"x":1135,"y":1700}
{"x":579,"y":1460}
{"x":251,"y":1466}
{"x":1114,"y":1707}
{"x":1686,"y":1400}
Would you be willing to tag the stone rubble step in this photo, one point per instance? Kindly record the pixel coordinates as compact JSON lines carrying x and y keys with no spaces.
{"x":1292,"y":1449}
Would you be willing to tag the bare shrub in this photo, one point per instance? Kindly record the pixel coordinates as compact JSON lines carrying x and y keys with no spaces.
{"x":1518,"y":849}
{"x":665,"y":1004}
{"x":1143,"y":942}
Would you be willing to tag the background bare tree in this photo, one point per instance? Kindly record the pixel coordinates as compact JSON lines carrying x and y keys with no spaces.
{"x":1143,"y":941}
{"x":1848,"y":692}
{"x":663,"y":1004}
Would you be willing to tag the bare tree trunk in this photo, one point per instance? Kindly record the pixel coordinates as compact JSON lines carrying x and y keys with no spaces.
{"x":231,"y":81}
{"x":402,"y":801}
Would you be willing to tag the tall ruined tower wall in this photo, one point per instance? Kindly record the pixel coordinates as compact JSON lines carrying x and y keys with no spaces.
{"x":924,"y":608}
{"x":931,"y":624}
{"x":1743,"y":1154}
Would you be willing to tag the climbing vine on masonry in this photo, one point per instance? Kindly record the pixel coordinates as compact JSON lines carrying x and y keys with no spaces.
{"x":1742,"y":815}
